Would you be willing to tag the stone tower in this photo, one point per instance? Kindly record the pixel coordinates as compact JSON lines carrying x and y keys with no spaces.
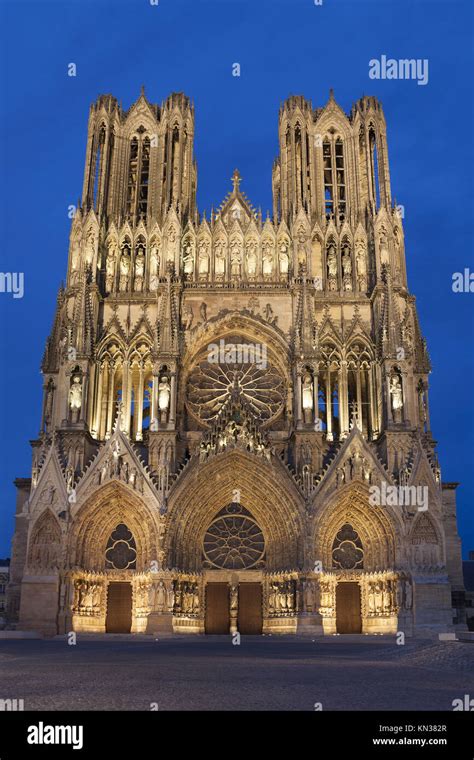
{"x":235,"y":432}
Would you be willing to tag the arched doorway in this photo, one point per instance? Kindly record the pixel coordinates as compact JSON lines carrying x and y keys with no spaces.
{"x":233,"y":546}
{"x":119,"y":607}
{"x":348,"y":607}
{"x":120,"y":554}
{"x":347,"y":556}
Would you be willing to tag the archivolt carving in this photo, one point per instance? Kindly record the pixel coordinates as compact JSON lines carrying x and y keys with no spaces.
{"x":265,"y":490}
{"x":100,"y":516}
{"x":374,"y":525}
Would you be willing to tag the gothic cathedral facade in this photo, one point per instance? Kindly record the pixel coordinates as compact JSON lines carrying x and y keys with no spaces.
{"x":235,"y":430}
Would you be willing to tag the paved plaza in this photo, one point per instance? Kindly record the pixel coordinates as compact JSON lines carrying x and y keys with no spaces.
{"x":210,"y":673}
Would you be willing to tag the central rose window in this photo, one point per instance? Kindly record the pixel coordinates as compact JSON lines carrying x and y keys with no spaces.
{"x":245,"y":368}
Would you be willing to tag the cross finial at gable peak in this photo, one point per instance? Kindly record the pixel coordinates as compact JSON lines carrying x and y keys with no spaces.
{"x":236,"y":180}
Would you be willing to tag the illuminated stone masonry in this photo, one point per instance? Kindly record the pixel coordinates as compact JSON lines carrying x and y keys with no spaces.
{"x":235,"y":432}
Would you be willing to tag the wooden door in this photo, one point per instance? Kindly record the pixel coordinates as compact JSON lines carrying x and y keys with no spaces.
{"x":119,"y":608}
{"x":250,"y":617}
{"x":217,"y":608}
{"x":348,"y":617}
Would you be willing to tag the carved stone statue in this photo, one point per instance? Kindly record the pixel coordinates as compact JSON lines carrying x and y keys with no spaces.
{"x":203,"y":260}
{"x":196,"y":604}
{"x":267,"y":256}
{"x":124,"y":269}
{"x":290,"y":597}
{"x":383,"y":245}
{"x":160,"y":597}
{"x":188,"y":599}
{"x":139,"y":269}
{"x":188,"y":317}
{"x":284,"y":259}
{"x":172,"y":243}
{"x":154,"y":266}
{"x":235,"y":259}
{"x":234,"y":597}
{"x":90,"y":248}
{"x":251,"y":249}
{"x":302,"y":248}
{"x":164,"y":393}
{"x":346,"y":262}
{"x":371,"y":598}
{"x":386,"y":597}
{"x":75,"y":393}
{"x":220,"y":260}
{"x":396,"y":394}
{"x":268,"y":314}
{"x":203,"y":311}
{"x":378,"y":598}
{"x":110,"y":267}
{"x":361,"y":265}
{"x":188,"y":260}
{"x":69,"y":478}
{"x":272,"y":598}
{"x":308,"y":596}
{"x":332,"y":267}
{"x":307,"y":392}
{"x":170,"y":597}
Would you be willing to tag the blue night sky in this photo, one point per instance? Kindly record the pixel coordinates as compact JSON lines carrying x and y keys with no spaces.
{"x":284,"y":47}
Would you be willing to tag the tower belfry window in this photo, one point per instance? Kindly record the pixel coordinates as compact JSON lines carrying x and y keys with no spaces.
{"x":328,"y":185}
{"x":132,"y":176}
{"x":98,"y":168}
{"x":299,"y":164}
{"x":144,"y":175}
{"x":340,"y":177}
{"x":334,"y":178}
{"x":138,"y":175}
{"x":175,"y":154}
{"x":374,"y":168}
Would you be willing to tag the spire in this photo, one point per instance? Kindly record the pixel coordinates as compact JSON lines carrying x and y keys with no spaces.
{"x":168,"y":319}
{"x":306,"y":337}
{"x":390,"y":327}
{"x":49,"y":362}
{"x":83,"y":326}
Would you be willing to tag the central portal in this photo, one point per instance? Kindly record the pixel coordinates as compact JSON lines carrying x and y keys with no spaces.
{"x":249,"y":608}
{"x":348,"y":615}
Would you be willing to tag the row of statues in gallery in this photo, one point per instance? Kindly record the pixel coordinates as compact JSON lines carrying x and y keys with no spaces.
{"x":137,"y":267}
